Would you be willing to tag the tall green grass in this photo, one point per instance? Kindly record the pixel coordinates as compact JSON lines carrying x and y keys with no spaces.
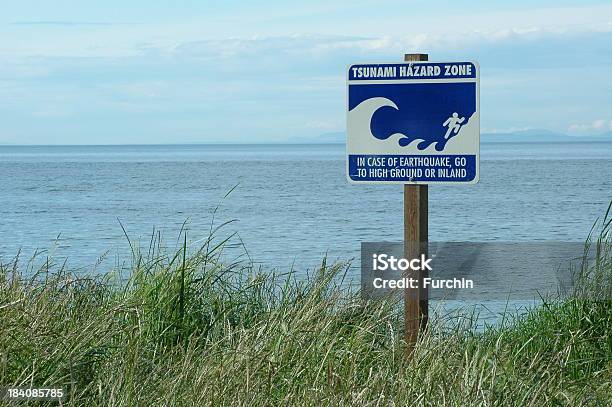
{"x":186,"y":329}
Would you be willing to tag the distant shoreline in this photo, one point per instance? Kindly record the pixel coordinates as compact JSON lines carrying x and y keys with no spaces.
{"x":335,"y":143}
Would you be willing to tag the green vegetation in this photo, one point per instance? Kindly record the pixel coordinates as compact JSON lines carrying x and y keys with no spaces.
{"x":188,"y":330}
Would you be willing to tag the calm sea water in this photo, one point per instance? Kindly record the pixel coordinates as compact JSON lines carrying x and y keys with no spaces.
{"x":292,"y":204}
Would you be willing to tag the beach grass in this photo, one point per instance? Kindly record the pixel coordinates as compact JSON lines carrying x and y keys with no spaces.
{"x":186,"y":329}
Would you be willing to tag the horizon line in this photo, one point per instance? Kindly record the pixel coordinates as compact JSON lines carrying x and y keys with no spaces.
{"x":337,"y":143}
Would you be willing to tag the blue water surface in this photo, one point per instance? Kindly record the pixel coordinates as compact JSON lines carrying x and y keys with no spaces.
{"x":291,"y":204}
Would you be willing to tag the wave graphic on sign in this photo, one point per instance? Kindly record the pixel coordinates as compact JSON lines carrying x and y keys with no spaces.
{"x":360,"y":117}
{"x":416,"y":115}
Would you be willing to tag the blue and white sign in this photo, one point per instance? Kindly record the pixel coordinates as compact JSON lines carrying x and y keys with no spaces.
{"x":413,"y":123}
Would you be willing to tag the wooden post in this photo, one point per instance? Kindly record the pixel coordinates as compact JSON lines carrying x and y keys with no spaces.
{"x":416,"y":307}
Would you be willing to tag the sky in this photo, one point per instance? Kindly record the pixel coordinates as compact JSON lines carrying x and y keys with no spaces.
{"x":117,"y":72}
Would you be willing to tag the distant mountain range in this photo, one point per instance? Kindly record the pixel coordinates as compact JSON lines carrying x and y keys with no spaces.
{"x":540,"y":136}
{"x":523,"y":136}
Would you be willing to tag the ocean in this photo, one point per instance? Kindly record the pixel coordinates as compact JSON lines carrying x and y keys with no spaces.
{"x":290,"y":205}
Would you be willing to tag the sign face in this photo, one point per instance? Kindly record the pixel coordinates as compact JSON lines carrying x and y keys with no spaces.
{"x":413,"y":123}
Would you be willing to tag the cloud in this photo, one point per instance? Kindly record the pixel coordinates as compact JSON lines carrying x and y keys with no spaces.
{"x":64,"y":23}
{"x":149,"y":79}
{"x":594,"y":127}
{"x":261,"y":46}
{"x":307,"y":46}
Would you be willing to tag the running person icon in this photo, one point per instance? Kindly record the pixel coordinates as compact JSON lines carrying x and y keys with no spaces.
{"x":453,"y":123}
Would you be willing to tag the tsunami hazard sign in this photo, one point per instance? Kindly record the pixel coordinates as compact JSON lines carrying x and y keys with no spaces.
{"x":413,"y":123}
